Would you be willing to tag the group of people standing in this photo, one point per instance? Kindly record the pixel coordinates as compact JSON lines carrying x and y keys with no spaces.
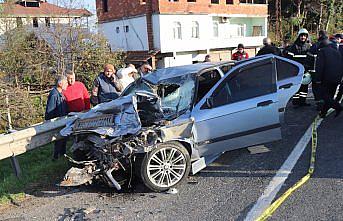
{"x":323,"y":60}
{"x":70,"y":95}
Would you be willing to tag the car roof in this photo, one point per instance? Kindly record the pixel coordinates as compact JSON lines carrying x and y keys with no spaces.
{"x":166,"y":73}
{"x":177,"y":71}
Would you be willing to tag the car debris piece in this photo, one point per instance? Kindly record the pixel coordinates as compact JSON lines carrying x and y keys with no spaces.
{"x":172,"y":191}
{"x":76,"y":177}
{"x":258,"y":149}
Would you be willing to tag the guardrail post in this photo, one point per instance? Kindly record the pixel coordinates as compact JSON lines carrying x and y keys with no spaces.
{"x":16,"y":166}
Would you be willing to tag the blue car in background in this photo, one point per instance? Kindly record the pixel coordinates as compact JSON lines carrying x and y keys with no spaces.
{"x":180,"y":119}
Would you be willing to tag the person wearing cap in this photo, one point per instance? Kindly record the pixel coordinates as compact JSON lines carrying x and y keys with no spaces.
{"x":106,"y":86}
{"x":126,"y":76}
{"x":300,"y":47}
{"x":240,"y":54}
{"x":268,"y":48}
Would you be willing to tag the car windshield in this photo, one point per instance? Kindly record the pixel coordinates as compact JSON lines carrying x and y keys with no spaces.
{"x":176,"y":93}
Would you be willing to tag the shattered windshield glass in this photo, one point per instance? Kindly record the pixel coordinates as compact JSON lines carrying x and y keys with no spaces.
{"x":176,"y":93}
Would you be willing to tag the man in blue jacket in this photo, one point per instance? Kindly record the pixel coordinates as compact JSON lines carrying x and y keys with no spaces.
{"x":57,"y":107}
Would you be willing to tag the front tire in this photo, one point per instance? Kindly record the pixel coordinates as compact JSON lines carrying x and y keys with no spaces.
{"x":165,"y":166}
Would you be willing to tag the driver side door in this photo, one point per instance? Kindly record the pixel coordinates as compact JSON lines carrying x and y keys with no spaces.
{"x":241,"y":110}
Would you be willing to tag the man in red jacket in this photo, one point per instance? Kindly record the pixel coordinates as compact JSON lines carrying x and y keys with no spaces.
{"x":76,"y":94}
{"x":240,"y":54}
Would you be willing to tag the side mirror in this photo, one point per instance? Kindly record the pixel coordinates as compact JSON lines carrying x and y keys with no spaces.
{"x":209,"y":102}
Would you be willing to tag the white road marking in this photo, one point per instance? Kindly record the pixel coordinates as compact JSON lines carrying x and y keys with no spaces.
{"x":279,"y":179}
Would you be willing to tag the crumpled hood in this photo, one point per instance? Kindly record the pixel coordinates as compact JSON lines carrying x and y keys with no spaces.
{"x":115,"y":118}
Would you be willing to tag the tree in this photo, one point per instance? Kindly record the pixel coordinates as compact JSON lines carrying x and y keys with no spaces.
{"x":30,"y":60}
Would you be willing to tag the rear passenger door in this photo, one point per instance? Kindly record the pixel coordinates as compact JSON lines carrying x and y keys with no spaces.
{"x":243,"y":110}
{"x":289,"y":75}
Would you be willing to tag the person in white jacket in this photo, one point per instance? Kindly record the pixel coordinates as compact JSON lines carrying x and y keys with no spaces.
{"x":126,"y":76}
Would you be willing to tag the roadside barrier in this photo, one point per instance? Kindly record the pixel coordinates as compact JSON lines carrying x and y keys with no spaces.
{"x":277,"y":203}
{"x":19,"y":142}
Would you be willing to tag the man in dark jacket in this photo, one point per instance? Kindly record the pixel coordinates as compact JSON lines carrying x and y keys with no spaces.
{"x":329,"y":72}
{"x":311,"y":59}
{"x":298,"y":52}
{"x":268,"y":48}
{"x":106,"y":86}
{"x":57,"y":107}
{"x":339,"y":39}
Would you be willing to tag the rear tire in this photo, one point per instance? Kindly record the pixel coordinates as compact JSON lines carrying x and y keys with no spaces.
{"x":166,"y":166}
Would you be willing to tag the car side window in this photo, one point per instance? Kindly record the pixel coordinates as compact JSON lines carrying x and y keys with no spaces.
{"x":225,"y":68}
{"x":285,"y":69}
{"x":245,"y":83}
{"x":206,"y":81}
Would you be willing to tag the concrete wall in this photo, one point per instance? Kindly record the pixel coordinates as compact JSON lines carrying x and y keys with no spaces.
{"x":135,"y":39}
{"x":7,"y":24}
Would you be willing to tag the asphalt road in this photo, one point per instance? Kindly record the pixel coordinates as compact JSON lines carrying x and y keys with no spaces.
{"x":225,"y":190}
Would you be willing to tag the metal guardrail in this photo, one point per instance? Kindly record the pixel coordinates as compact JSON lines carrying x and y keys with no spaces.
{"x":19,"y":142}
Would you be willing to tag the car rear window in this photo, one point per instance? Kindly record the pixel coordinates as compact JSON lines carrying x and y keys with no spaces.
{"x":285,"y":69}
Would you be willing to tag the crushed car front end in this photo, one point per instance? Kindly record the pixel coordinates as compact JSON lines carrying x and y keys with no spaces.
{"x":135,"y":134}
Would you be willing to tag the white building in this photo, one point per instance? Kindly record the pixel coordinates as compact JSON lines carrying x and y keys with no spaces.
{"x":182,"y":32}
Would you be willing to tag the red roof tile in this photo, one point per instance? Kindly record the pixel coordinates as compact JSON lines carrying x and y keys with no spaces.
{"x":45,"y":10}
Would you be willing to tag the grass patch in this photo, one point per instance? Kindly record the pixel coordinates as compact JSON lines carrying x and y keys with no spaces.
{"x":37,"y":170}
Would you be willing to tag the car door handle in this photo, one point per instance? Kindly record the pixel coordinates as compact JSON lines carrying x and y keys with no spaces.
{"x":285,"y":86}
{"x":264,"y":103}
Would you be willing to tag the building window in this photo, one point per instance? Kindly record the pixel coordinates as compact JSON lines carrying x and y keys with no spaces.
{"x":177,"y":30}
{"x":173,"y":0}
{"x":215,"y":29}
{"x":191,"y":0}
{"x":105,"y":5}
{"x":47,"y":22}
{"x":240,"y":31}
{"x":117,"y":30}
{"x":35,"y":22}
{"x":19,"y":22}
{"x":195,"y":29}
{"x":143,"y":2}
{"x":229,"y":2}
{"x":30,"y":3}
{"x":214,"y":1}
{"x":256,"y":30}
{"x":126,"y":28}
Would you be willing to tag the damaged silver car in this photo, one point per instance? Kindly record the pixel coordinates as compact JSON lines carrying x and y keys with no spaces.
{"x":180,"y":119}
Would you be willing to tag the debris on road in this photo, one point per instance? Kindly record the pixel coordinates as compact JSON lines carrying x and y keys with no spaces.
{"x":258,"y":149}
{"x":172,"y":191}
